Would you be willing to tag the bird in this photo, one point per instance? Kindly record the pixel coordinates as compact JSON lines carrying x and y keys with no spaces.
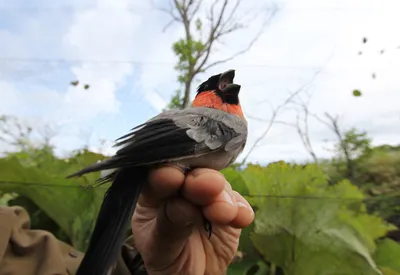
{"x":211,"y":133}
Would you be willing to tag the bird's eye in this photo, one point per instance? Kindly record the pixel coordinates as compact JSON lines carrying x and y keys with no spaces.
{"x":223,"y":85}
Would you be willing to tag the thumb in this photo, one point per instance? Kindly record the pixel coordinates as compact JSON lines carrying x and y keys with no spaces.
{"x":175,"y":221}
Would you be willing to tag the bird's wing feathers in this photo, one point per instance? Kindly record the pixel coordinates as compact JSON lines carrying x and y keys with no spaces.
{"x":180,"y":134}
{"x":176,"y":135}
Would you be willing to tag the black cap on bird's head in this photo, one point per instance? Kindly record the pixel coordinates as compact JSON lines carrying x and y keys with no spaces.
{"x":222,"y":84}
{"x":217,"y":82}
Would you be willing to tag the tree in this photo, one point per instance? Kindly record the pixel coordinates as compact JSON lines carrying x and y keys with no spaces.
{"x":201,"y":36}
{"x":23,"y":136}
{"x":350,"y":144}
{"x":290,"y":100}
{"x":14,"y":132}
{"x":270,"y":123}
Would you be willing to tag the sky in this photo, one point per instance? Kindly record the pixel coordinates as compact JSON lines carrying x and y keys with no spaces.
{"x":120,"y":49}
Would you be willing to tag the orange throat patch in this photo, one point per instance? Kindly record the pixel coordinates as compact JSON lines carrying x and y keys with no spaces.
{"x":211,"y":100}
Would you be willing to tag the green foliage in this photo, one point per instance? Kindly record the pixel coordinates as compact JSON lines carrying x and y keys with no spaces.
{"x":5,"y":198}
{"x":304,"y":223}
{"x":36,"y":174}
{"x":351,"y":151}
{"x":355,"y":143}
{"x":176,"y":101}
{"x":358,"y":142}
{"x":188,"y":51}
{"x":356,"y":93}
{"x":377,"y":172}
{"x":387,"y":256}
{"x":14,"y":132}
{"x":383,"y":169}
{"x":306,"y":226}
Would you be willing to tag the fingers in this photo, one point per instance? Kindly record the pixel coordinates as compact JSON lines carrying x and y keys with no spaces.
{"x":206,"y":188}
{"x":176,"y":220}
{"x":209,"y":189}
{"x":162,"y":183}
{"x":245,"y":215}
{"x":223,"y":208}
{"x":164,"y":222}
{"x":163,"y":237}
{"x":202,"y":186}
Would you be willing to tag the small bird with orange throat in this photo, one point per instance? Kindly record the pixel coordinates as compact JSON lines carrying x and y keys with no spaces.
{"x":209,"y":134}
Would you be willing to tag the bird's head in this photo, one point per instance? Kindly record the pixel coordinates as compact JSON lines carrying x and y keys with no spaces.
{"x":221,"y":85}
{"x":219,"y":92}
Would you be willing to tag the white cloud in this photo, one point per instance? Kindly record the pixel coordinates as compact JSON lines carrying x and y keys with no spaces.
{"x":94,"y":36}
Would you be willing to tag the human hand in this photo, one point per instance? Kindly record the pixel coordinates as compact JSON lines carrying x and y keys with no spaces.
{"x":168,"y":225}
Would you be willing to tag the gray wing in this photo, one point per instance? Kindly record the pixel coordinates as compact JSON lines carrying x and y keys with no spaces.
{"x":175,"y":135}
{"x":181,"y":134}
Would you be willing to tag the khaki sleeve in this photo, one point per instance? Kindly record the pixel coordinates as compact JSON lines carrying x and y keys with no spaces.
{"x":24,"y":251}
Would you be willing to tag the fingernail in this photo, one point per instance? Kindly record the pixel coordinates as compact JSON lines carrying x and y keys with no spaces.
{"x":248,"y":207}
{"x":226,"y":197}
{"x":228,"y":188}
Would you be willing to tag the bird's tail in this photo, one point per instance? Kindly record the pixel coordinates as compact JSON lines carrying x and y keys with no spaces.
{"x":117,"y":207}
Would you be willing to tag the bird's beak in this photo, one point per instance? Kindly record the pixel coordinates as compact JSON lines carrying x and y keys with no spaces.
{"x":232,"y":89}
{"x":227,"y":77}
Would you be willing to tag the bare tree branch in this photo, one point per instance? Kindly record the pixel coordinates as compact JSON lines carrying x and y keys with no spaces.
{"x":288,"y":100}
{"x":221,"y":21}
{"x":334,"y":122}
{"x":171,"y":12}
{"x":48,"y":132}
{"x":195,"y":10}
{"x":275,"y":112}
{"x":13,"y":132}
{"x":168,"y":25}
{"x":304,"y":134}
{"x":20,"y":135}
{"x":249,"y":46}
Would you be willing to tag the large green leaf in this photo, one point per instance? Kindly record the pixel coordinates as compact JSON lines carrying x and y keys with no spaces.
{"x":387,"y":256}
{"x":235,"y":178}
{"x":306,"y":226}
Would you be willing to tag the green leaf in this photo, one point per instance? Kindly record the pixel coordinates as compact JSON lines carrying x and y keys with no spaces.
{"x":198,"y":24}
{"x":387,"y":254}
{"x":388,"y":271}
{"x":356,"y":93}
{"x":306,"y":226}
{"x":236,"y":180}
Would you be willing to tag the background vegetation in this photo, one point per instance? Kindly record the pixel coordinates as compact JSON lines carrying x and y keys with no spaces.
{"x":310,"y":218}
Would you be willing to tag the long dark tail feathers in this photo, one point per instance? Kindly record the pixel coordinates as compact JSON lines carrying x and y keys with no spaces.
{"x":114,"y":216}
{"x":111,"y":163}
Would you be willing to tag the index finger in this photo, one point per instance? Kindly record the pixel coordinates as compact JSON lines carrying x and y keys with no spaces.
{"x":162,"y":182}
